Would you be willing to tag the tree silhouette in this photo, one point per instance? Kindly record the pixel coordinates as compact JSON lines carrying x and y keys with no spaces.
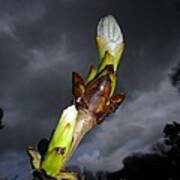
{"x":162,"y":164}
{"x":175,"y":76}
{"x":1,"y":117}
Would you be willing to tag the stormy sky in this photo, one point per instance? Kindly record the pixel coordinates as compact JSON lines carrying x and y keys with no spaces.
{"x":43,"y":41}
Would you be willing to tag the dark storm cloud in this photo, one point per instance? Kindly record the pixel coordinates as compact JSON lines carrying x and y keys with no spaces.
{"x":42,"y":42}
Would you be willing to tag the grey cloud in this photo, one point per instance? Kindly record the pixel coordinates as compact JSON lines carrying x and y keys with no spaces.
{"x":14,"y":13}
{"x":15,"y":164}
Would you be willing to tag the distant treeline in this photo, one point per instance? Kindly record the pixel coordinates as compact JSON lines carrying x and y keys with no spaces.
{"x":162,"y":164}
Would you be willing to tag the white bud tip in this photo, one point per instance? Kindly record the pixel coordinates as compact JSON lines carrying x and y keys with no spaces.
{"x":70,"y":113}
{"x":109,"y":29}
